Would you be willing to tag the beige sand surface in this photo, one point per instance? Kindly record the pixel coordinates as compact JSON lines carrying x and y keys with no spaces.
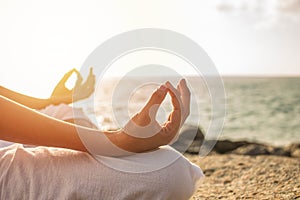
{"x":232,"y":176}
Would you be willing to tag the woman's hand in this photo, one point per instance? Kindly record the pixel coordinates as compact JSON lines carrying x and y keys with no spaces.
{"x":144,"y":133}
{"x":61,"y":94}
{"x":86,"y":89}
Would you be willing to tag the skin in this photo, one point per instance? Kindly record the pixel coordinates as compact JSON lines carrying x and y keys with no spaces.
{"x":60,"y":94}
{"x":20,"y":123}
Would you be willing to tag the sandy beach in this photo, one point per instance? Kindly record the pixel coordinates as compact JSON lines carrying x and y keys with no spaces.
{"x":230,"y":176}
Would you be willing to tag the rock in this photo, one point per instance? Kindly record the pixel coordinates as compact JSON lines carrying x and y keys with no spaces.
{"x":296,"y":153}
{"x":278,"y":151}
{"x":224,"y":146}
{"x":294,"y":146}
{"x":252,"y":149}
{"x":190,"y":140}
{"x":294,"y":150}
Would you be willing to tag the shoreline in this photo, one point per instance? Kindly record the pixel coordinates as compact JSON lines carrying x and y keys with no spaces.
{"x":192,"y":141}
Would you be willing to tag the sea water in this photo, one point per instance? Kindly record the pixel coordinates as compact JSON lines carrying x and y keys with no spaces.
{"x":263,"y":109}
{"x":259,"y":109}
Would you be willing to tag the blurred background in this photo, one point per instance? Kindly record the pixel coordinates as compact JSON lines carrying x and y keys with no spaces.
{"x":255,"y":46}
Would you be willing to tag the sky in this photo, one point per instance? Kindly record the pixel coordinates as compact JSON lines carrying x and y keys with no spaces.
{"x":40,"y":41}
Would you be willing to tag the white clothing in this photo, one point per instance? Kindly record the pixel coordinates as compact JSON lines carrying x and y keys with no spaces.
{"x":53,"y":173}
{"x":63,"y":112}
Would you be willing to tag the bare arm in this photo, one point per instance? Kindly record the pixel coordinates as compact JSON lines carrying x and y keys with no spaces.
{"x":24,"y":125}
{"x":59,"y":95}
{"x":24,"y":99}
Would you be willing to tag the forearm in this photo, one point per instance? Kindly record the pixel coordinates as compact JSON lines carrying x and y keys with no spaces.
{"x":134,"y":144}
{"x":32,"y":102}
{"x":23,"y":125}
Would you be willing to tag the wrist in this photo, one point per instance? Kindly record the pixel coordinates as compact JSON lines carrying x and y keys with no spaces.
{"x":55,"y":100}
{"x":133,"y":144}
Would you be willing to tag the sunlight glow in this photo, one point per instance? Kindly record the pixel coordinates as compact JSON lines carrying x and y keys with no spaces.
{"x":40,"y":41}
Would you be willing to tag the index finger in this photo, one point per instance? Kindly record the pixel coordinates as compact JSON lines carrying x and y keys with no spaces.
{"x":67,"y":76}
{"x":185,"y":97}
{"x":171,"y":127}
{"x":175,"y":96}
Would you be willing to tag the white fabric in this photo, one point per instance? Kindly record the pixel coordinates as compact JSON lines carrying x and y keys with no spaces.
{"x":64,"y":112}
{"x":5,"y":143}
{"x":52,"y":173}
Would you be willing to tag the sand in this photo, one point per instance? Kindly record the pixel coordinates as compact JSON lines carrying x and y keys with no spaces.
{"x":232,"y":176}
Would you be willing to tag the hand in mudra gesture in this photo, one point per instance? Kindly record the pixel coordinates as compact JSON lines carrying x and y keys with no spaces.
{"x":80,"y":91}
{"x":144,"y":124}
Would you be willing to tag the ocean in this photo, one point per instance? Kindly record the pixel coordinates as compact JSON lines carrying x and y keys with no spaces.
{"x":258,"y":109}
